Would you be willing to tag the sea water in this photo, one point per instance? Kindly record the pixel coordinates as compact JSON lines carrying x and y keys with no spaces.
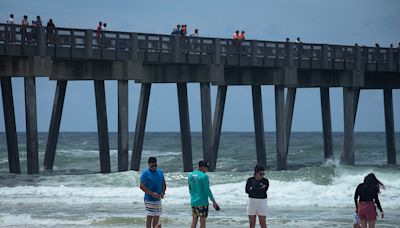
{"x":311,"y":193}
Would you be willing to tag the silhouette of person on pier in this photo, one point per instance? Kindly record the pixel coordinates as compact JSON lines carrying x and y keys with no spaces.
{"x":50,"y":30}
{"x":98,"y":33}
{"x":11,"y":29}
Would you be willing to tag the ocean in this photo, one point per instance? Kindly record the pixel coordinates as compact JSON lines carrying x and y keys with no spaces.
{"x":311,"y":193}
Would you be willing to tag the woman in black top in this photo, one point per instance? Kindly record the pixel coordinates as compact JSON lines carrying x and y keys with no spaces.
{"x":256,"y":188}
{"x":365,"y":198}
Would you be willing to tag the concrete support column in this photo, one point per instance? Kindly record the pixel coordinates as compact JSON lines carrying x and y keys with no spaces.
{"x":389,"y":126}
{"x":206,"y":121}
{"x":348,"y":109}
{"x":140,"y":126}
{"x":217,"y":123}
{"x":290,"y":100}
{"x":102,"y":127}
{"x":281,"y":156}
{"x":55,"y":122}
{"x":186,"y":138}
{"x":123,"y":131}
{"x":32,"y":147}
{"x":326,"y":122}
{"x":10,"y":127}
{"x":259,"y":125}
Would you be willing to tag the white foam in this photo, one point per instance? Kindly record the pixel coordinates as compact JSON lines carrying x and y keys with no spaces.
{"x":28,"y":221}
{"x":299,"y":193}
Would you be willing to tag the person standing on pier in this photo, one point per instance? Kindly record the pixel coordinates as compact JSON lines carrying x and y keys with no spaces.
{"x":365,"y":198}
{"x":50,"y":30}
{"x":24,"y":32}
{"x":199,"y":188}
{"x":11,"y":28}
{"x":257,"y":187}
{"x":152,"y":183}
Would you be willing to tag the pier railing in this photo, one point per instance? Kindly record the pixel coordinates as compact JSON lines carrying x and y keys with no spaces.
{"x":67,"y":43}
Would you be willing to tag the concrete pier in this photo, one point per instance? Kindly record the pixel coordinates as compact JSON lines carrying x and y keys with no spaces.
{"x":162,"y":58}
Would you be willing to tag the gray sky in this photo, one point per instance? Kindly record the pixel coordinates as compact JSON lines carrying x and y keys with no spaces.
{"x":318,"y":21}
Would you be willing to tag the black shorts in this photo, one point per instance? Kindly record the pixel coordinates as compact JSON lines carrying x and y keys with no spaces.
{"x":200,"y":211}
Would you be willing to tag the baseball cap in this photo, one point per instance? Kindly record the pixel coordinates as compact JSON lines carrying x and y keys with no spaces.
{"x":204,"y":163}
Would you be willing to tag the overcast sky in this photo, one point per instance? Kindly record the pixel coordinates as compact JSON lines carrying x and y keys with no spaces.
{"x":318,"y":21}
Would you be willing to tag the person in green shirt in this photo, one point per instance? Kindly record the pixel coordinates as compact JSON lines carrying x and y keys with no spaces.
{"x":199,"y":188}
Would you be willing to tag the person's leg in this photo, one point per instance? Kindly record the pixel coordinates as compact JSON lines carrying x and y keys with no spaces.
{"x":252,"y":221}
{"x":371,"y":223}
{"x":148,"y":221}
{"x":194,"y":221}
{"x":203,"y":222}
{"x":155,"y":220}
{"x":363,"y":223}
{"x":263,"y":221}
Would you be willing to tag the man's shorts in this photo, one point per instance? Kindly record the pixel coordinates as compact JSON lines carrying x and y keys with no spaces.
{"x":200,"y":211}
{"x":153,"y":208}
{"x":367,"y":211}
{"x":257,"y":207}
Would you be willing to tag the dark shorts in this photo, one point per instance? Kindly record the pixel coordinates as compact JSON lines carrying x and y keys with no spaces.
{"x":200,"y":211}
{"x":367,"y":211}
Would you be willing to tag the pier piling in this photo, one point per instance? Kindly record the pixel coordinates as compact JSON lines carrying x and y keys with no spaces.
{"x":9,"y":123}
{"x":217,"y":121}
{"x":123,"y":125}
{"x":259,"y":125}
{"x":186,"y":138}
{"x":140,"y":126}
{"x":281,"y":156}
{"x":205,"y":95}
{"x":32,"y":144}
{"x":389,"y":126}
{"x":326,"y":122}
{"x":55,"y":122}
{"x":348,"y":109}
{"x":102,"y":127}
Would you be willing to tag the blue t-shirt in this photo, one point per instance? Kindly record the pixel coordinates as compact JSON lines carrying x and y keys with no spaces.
{"x":152,"y":181}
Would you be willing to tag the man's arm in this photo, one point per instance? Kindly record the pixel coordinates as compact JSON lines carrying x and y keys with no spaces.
{"x":164,"y":187}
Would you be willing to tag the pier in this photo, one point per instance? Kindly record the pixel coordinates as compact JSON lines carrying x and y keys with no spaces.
{"x":79,"y":54}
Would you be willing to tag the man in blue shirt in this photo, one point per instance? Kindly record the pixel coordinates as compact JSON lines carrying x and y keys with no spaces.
{"x":153,"y":184}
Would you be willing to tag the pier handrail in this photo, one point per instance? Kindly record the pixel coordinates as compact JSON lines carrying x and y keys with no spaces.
{"x":115,"y":45}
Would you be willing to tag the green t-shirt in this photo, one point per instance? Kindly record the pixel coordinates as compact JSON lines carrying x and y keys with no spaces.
{"x":199,"y":189}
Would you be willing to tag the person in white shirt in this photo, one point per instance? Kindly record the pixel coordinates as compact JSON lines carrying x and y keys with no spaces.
{"x":10,"y":22}
{"x":195,"y":33}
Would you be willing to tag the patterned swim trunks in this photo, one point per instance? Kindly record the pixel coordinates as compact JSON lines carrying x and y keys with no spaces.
{"x":200,"y":211}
